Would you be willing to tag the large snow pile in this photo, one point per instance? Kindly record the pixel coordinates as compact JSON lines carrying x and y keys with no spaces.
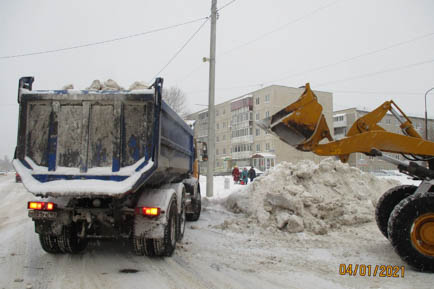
{"x":310,"y":197}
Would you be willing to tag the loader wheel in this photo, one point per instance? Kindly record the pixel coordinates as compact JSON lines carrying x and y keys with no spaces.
{"x":411,"y":231}
{"x":387,"y":202}
{"x":69,"y":242}
{"x":197,"y":207}
{"x":49,"y":244}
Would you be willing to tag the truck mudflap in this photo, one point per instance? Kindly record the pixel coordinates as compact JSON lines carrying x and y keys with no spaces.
{"x":101,"y":181}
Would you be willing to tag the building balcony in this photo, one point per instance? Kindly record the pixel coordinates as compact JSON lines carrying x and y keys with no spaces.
{"x":242,"y":139}
{"x":342,"y":123}
{"x":241,"y":155}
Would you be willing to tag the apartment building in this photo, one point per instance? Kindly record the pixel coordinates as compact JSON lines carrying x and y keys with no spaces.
{"x":239,"y":141}
{"x":344,"y":119}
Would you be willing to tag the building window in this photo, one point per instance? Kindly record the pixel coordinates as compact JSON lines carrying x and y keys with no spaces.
{"x":224,"y":151}
{"x":258,"y":132}
{"x":267,"y":98}
{"x":267,"y":146}
{"x":217,"y":112}
{"x":257,"y":100}
{"x":216,"y":152}
{"x":224,"y":111}
{"x":217,"y":126}
{"x":258,"y":147}
{"x":217,"y":139}
{"x":267,"y":114}
{"x":241,"y":148}
{"x":257,"y":116}
{"x":338,"y":118}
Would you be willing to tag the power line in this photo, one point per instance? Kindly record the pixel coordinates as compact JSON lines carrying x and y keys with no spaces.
{"x":262,"y":35}
{"x":354,"y":57}
{"x":180,"y":49}
{"x":280,"y":27}
{"x":226,"y":5}
{"x":343,"y":60}
{"x":345,"y":79}
{"x":378,"y":92}
{"x":378,"y":72}
{"x":103,"y":41}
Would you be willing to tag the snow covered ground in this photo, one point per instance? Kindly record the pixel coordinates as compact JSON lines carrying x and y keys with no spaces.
{"x":224,"y":249}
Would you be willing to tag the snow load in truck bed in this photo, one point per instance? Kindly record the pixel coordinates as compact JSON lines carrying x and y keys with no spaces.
{"x":80,"y":187}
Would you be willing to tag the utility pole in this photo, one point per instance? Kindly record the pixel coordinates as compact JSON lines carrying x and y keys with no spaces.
{"x":211,"y":113}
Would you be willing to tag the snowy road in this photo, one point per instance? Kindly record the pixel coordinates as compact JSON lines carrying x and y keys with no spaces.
{"x":211,"y":255}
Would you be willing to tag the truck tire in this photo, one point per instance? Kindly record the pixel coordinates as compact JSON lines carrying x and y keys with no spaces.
{"x":169,"y":240}
{"x":143,"y":246}
{"x":49,"y":244}
{"x":69,"y":242}
{"x":387,"y":202}
{"x":196,"y":203}
{"x":159,"y":247}
{"x":411,"y":231}
{"x":180,"y":224}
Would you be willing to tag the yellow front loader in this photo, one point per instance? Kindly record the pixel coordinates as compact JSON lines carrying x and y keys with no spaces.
{"x":404,"y":214}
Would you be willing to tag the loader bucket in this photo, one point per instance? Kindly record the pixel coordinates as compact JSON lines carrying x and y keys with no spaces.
{"x":300,"y":124}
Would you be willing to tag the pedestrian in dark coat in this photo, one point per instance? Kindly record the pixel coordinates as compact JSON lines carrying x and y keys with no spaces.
{"x":252,"y":174}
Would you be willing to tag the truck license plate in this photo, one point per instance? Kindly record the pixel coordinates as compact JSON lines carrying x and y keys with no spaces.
{"x":42,"y":215}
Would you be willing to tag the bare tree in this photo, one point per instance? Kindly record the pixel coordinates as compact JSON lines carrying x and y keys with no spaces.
{"x":176,"y":99}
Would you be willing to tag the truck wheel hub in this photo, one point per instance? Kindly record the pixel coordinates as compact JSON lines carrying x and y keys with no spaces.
{"x":422,"y":234}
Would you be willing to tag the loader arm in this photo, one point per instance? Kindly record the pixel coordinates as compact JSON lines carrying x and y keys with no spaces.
{"x":303,"y":126}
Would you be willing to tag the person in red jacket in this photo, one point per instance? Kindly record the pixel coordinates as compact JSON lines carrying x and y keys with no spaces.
{"x":236,"y":174}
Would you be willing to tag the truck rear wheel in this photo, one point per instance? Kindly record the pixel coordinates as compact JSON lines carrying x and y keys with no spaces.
{"x":411,"y":231}
{"x":196,"y":204}
{"x":169,"y":240}
{"x":143,"y":246}
{"x":180,"y":224}
{"x":69,"y":242}
{"x":49,"y":244}
{"x":159,"y":247}
{"x":387,"y":202}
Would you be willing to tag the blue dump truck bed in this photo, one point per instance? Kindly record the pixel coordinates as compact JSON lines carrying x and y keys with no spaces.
{"x":99,"y":143}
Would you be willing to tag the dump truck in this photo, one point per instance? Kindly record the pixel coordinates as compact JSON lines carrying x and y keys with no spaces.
{"x":106,"y":165}
{"x":404,"y":214}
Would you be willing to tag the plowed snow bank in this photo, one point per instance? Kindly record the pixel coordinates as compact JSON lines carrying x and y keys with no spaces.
{"x":310,"y":197}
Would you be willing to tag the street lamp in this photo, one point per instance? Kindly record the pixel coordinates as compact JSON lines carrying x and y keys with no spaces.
{"x":426,"y":116}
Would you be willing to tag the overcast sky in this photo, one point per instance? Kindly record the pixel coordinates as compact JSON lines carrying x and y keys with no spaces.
{"x":363,"y":51}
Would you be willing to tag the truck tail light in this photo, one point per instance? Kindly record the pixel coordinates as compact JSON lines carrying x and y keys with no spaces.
{"x":41,"y":206}
{"x":148,"y":211}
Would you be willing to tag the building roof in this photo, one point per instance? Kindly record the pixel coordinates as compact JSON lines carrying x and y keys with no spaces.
{"x":364,"y":110}
{"x":250,"y":94}
{"x":263,"y":155}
